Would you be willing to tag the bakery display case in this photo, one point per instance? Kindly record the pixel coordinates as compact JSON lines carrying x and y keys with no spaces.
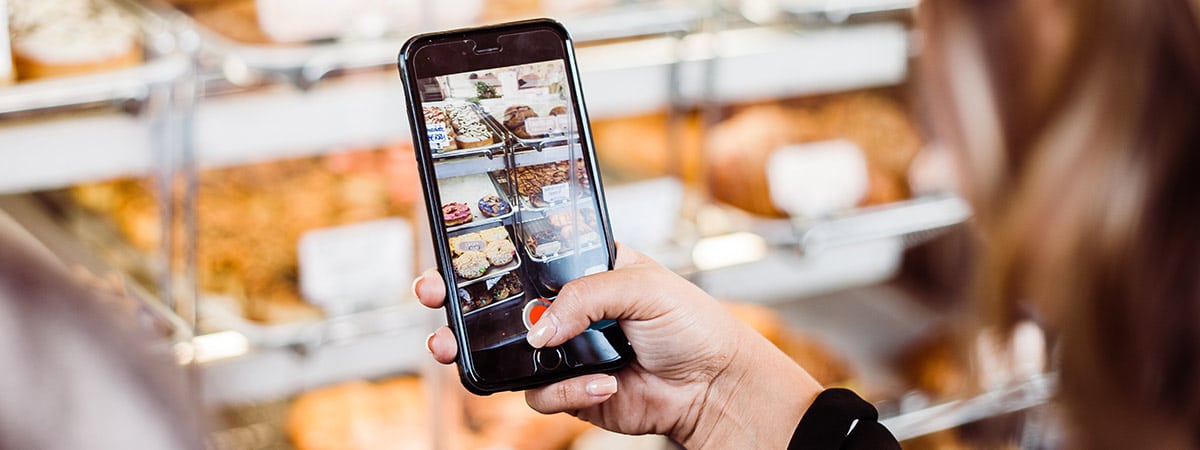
{"x":114,"y":105}
{"x":250,"y":180}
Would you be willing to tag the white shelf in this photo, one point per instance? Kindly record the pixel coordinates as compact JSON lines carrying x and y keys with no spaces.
{"x":619,"y":79}
{"x":45,"y":154}
{"x":746,"y":65}
{"x":277,"y":372}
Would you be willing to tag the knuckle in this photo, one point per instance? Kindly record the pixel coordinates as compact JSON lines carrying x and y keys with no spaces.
{"x":565,"y":394}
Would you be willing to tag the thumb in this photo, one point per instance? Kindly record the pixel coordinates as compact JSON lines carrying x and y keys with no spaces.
{"x":606,"y":295}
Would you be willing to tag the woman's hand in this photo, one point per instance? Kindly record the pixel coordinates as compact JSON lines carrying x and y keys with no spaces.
{"x":701,"y":376}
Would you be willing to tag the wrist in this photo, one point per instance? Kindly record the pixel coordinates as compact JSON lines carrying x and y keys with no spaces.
{"x":756,"y":402}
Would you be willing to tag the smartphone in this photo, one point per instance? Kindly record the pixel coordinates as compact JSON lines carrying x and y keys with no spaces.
{"x":516,"y":205}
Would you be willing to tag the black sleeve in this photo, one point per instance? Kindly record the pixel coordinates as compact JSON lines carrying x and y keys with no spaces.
{"x":840,"y":420}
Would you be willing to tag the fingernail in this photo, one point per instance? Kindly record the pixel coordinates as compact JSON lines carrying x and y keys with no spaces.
{"x":542,"y":331}
{"x":602,"y":387}
{"x":429,"y":343}
{"x":417,"y":284}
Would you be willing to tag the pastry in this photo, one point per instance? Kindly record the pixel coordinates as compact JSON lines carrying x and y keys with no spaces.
{"x":492,"y":205}
{"x":471,"y":265}
{"x":456,"y":214}
{"x":469,"y":129}
{"x":234,"y":19}
{"x":740,"y":148}
{"x":493,"y":234}
{"x":584,"y":228}
{"x":470,"y":242}
{"x":434,"y":117}
{"x":507,"y":286}
{"x":558,"y":110}
{"x":500,"y":252}
{"x":67,"y":37}
{"x":531,"y":179}
{"x":472,"y":136}
{"x":544,"y":242}
{"x":392,"y":414}
{"x":472,"y":298}
{"x":514,"y":119}
{"x":248,"y":227}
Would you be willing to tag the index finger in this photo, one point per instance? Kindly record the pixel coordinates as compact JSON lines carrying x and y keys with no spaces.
{"x":430,"y":289}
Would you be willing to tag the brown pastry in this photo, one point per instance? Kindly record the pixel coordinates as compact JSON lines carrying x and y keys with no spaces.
{"x":237,"y":20}
{"x":514,"y":119}
{"x":508,"y":286}
{"x":740,"y":147}
{"x":558,"y":110}
{"x":249,"y":221}
{"x":531,"y":179}
{"x":392,"y":414}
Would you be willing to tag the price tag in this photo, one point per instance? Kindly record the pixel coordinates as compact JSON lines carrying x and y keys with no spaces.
{"x":538,"y":126}
{"x":556,"y":193}
{"x":547,"y":249}
{"x":438,"y":137}
{"x":343,"y":269}
{"x":471,"y":246}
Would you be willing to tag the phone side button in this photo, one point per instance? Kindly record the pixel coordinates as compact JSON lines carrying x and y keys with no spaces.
{"x":548,"y":358}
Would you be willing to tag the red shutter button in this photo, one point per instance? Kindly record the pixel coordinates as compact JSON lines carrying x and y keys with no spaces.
{"x":533,"y":311}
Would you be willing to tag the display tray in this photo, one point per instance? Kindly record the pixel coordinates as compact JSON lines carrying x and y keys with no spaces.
{"x":532,"y":181}
{"x":470,"y":189}
{"x":493,"y":271}
{"x":497,"y":135}
{"x":479,"y":243}
{"x":495,"y":290}
{"x":544,"y":107}
{"x":544,"y":242}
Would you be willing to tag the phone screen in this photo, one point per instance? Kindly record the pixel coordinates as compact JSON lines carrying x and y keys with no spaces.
{"x":518,"y":200}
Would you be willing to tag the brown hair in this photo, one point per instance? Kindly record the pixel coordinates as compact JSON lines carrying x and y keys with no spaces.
{"x":1077,"y":129}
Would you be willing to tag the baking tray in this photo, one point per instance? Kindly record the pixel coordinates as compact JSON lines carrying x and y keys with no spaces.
{"x":479,"y":219}
{"x":498,"y":136}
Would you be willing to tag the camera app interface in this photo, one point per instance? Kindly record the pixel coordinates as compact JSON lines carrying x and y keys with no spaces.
{"x":516,"y":198}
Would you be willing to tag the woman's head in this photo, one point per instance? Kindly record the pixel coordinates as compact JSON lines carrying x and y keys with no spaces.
{"x":1077,"y":130}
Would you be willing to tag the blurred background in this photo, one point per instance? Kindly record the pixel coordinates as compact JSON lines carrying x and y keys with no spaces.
{"x":770,"y":151}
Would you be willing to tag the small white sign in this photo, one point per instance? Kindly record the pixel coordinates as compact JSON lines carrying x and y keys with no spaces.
{"x":438,"y":137}
{"x":548,"y":249}
{"x":556,"y":193}
{"x":348,"y":268}
{"x":475,"y":245}
{"x":540,"y":126}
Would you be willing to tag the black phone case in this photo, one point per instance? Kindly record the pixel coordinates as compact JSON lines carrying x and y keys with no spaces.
{"x":454,"y":317}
